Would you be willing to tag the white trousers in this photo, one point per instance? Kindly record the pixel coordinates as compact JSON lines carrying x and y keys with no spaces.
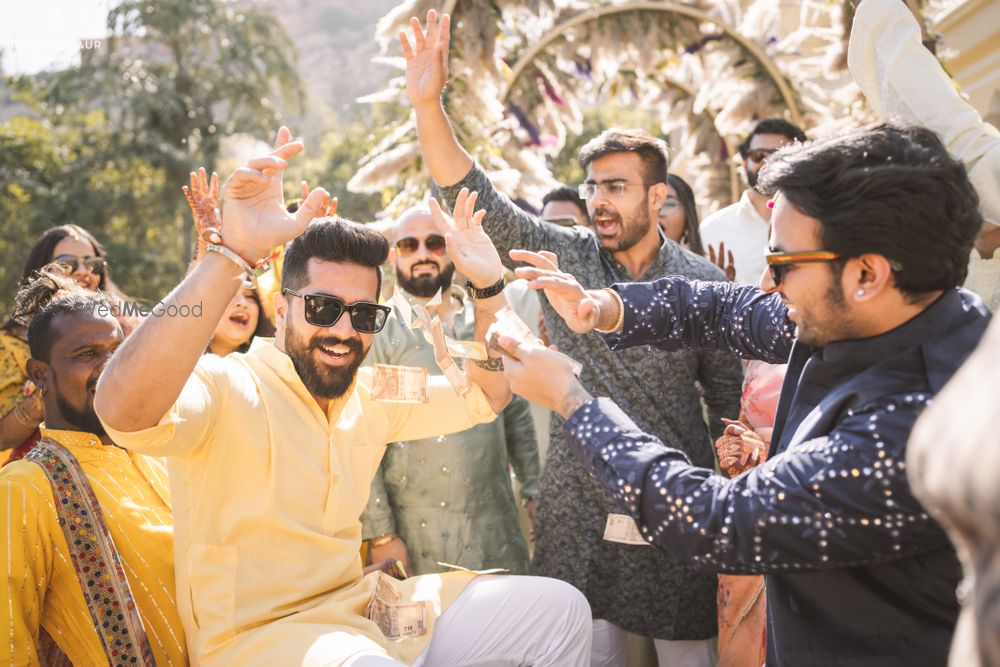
{"x":507,"y":622}
{"x":610,"y":641}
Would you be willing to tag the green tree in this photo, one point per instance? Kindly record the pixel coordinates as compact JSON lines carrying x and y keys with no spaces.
{"x":52,"y":174}
{"x":173,"y":79}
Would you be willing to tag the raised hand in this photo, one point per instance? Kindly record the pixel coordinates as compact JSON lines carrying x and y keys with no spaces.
{"x":254,"y":219}
{"x":202,"y":196}
{"x":469,"y":247}
{"x":326,"y":207}
{"x":426,"y":58}
{"x":577,"y":306}
{"x":723,"y":260}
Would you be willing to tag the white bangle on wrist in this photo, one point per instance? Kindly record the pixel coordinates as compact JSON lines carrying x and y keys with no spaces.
{"x":231,"y":255}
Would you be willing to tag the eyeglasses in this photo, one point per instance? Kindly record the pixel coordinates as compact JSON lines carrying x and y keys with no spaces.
{"x":761,"y":154}
{"x":610,"y":188}
{"x":779,"y":262}
{"x":323,"y":310}
{"x":409,"y":245}
{"x":71,"y":263}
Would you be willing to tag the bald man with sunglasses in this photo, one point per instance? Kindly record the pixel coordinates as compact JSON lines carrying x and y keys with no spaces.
{"x":446,"y":498}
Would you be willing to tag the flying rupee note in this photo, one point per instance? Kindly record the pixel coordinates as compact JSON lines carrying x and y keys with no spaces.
{"x":509,"y":324}
{"x":399,"y":384}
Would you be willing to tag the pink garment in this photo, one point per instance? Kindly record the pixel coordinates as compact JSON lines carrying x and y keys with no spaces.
{"x":742,"y":602}
{"x":761,"y":390}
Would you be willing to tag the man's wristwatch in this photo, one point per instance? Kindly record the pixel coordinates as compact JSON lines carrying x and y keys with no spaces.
{"x":486,"y":292}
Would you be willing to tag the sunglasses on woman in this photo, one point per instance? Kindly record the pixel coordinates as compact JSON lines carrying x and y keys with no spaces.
{"x":71,"y":263}
{"x":434,"y":243}
{"x":323,"y":310}
{"x":780,"y":262}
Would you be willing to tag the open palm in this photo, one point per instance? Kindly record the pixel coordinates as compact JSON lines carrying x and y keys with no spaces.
{"x":254,"y":218}
{"x":469,"y":247}
{"x":580,"y":311}
{"x":426,"y":58}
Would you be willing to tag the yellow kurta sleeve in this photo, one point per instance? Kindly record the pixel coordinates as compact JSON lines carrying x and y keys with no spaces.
{"x":13,"y":370}
{"x":444,"y":412}
{"x":190,"y":421}
{"x":901,"y":79}
{"x":28,"y":519}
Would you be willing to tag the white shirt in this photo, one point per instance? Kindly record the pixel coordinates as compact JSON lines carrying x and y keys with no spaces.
{"x":984,"y":278}
{"x":900,"y":78}
{"x":744,"y":232}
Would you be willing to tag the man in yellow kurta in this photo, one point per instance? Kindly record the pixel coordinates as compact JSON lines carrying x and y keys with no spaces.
{"x":272,"y":453}
{"x":70,"y":344}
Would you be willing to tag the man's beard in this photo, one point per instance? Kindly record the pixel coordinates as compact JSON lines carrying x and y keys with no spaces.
{"x":835,"y":328}
{"x":84,"y":419}
{"x":751,"y":176}
{"x":632,"y":231}
{"x":426,"y":286}
{"x":321,"y":380}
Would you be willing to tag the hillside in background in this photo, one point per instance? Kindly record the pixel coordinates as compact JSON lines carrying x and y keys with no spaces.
{"x":336,"y":44}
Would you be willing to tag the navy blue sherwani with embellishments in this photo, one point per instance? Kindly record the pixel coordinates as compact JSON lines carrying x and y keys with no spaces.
{"x":857,"y":573}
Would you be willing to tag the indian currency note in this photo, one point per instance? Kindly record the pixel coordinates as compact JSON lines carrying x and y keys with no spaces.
{"x":508,"y":323}
{"x":385,"y":591}
{"x":456,"y":376}
{"x":621,"y":528}
{"x":399,"y":621}
{"x":402,"y":307}
{"x":399,"y":384}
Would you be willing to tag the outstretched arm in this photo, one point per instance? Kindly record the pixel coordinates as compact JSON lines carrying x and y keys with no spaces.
{"x":671,"y":313}
{"x":841,"y":500}
{"x":149,"y":370}
{"x":449,"y":164}
{"x":476,"y":258}
{"x":847,"y":490}
{"x":426,"y":76}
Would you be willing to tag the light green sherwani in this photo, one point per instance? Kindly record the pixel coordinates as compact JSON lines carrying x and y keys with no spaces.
{"x":450,"y":497}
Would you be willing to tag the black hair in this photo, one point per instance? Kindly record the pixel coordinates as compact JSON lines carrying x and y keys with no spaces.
{"x":568,"y":194}
{"x":685,"y":195}
{"x":890,"y":190}
{"x":334,"y":239}
{"x":49,"y":294}
{"x":651,"y":150}
{"x":779,"y":126}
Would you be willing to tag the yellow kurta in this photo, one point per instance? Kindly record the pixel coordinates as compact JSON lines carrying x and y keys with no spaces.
{"x":267,"y":495}
{"x":14,"y":355}
{"x":42,"y":588}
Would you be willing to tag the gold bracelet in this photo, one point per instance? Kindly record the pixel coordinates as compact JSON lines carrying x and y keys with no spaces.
{"x":620,"y":320}
{"x":382,"y":540}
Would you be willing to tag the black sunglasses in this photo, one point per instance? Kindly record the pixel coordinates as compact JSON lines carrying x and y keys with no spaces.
{"x":434,"y":243}
{"x":323,"y":310}
{"x":94,"y":264}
